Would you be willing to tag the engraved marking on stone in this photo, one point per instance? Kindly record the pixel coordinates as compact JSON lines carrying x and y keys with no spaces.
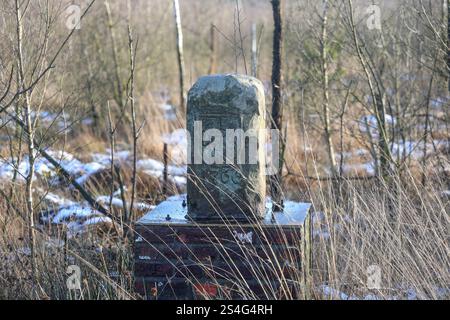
{"x":220,"y":184}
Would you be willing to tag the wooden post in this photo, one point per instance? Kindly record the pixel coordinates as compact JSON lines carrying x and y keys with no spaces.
{"x":165,"y":171}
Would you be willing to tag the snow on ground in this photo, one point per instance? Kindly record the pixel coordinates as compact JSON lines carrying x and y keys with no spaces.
{"x":367,"y":168}
{"x":402,"y":294}
{"x":352,"y":154}
{"x":177,"y":140}
{"x":415,"y":149}
{"x":356,"y":161}
{"x":117,"y":202}
{"x":155,"y":168}
{"x":77,"y":217}
{"x":369,"y":122}
{"x":439,"y":102}
{"x":58,"y":200}
{"x":74,"y":212}
{"x":60,"y":120}
{"x":105,"y":158}
{"x":83,"y":171}
{"x":55,"y":120}
{"x":170,"y":112}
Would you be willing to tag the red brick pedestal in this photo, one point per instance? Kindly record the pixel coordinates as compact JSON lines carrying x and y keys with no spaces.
{"x":178,"y":259}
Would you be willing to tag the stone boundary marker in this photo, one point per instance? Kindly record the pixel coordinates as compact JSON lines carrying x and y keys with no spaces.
{"x":222,"y":240}
{"x":234,"y":185}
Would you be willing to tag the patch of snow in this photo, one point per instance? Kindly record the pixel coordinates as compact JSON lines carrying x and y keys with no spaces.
{"x":170,"y":112}
{"x":439,"y":102}
{"x":178,"y":142}
{"x":177,"y":170}
{"x":96,"y":220}
{"x":150,"y":165}
{"x":75,"y":212}
{"x":415,"y":149}
{"x":77,"y":218}
{"x":179,"y":181}
{"x":404,"y":294}
{"x":333,"y":293}
{"x":45,"y":169}
{"x":368,"y":168}
{"x":321,"y":234}
{"x":58,"y":200}
{"x":353,"y":153}
{"x":177,"y":137}
{"x":116,"y":202}
{"x":105,"y":158}
{"x":370,"y":122}
{"x":89,"y":170}
{"x":155,"y":168}
{"x":175,"y":207}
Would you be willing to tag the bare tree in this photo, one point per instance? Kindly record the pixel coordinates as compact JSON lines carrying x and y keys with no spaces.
{"x":326,"y":102}
{"x":180,"y":54}
{"x":277,"y":105}
{"x":135,"y":129}
{"x":118,"y":92}
{"x":254,"y":51}
{"x":212,"y":49}
{"x":30,"y":141}
{"x":376,"y":94}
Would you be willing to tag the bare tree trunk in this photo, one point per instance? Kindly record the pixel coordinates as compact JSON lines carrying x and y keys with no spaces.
{"x":180,"y":55}
{"x":326,"y":109}
{"x":119,"y":94}
{"x":254,"y":52}
{"x":112,"y":147}
{"x":385,"y":153}
{"x":277,"y":108}
{"x":341,"y":131}
{"x":94,"y":112}
{"x":238,"y":32}
{"x":212,"y":48}
{"x":379,"y":110}
{"x":31,"y":157}
{"x":133,"y":121}
{"x":427,"y":121}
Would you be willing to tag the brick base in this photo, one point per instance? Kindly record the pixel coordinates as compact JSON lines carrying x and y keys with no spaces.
{"x":188,"y":261}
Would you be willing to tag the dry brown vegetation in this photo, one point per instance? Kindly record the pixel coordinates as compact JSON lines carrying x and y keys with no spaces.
{"x":385,"y":201}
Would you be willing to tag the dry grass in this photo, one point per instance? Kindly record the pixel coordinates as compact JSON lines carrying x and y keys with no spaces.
{"x":401,"y":227}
